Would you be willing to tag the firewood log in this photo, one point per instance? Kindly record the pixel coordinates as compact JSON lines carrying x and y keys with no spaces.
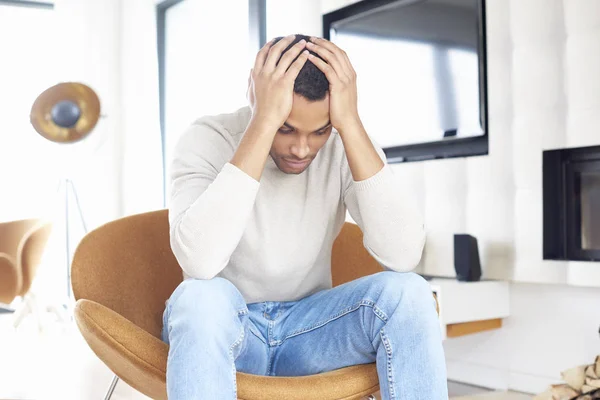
{"x":590,"y":371}
{"x":585,"y":389}
{"x":595,"y":383}
{"x":575,"y":377}
{"x":594,"y":395}
{"x":563,"y":392}
{"x":547,"y":395}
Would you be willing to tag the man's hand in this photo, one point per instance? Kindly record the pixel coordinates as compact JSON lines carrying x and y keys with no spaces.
{"x":363,"y":159}
{"x":343,"y":100}
{"x":271,"y":85}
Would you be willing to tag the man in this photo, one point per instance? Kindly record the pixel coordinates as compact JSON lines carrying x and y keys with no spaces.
{"x":258,"y":198}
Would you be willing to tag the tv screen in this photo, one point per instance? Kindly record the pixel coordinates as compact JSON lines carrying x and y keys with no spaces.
{"x":420,"y":68}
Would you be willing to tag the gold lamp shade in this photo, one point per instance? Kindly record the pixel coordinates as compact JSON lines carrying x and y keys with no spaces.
{"x":66,"y":112}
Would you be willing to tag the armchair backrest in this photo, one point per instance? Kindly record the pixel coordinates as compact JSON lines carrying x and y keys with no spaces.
{"x":11,"y":234}
{"x":31,"y":250}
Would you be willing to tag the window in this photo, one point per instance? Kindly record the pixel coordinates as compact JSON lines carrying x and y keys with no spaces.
{"x":206,"y":50}
{"x":28,"y":163}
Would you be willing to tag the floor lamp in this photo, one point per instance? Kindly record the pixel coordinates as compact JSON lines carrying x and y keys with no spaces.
{"x":65,"y":114}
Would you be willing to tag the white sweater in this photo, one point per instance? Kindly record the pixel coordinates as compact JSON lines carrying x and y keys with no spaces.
{"x":273,"y":238}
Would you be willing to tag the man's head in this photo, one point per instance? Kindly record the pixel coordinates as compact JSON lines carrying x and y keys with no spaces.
{"x":308,"y":126}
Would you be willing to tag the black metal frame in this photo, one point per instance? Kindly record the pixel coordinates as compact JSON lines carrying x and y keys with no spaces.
{"x":562,"y":205}
{"x":25,"y":3}
{"x":459,"y":147}
{"x":258,"y":28}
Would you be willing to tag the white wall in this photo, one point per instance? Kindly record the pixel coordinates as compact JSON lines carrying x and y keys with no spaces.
{"x":292,"y":17}
{"x":544,"y":92}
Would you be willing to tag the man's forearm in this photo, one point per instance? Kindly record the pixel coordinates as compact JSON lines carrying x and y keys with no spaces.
{"x":251,"y":154}
{"x":389,"y":217}
{"x":362,"y":156}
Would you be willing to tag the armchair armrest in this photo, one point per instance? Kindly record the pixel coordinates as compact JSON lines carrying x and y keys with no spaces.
{"x":136,"y":356}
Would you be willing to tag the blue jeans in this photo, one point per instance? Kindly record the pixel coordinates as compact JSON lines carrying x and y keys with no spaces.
{"x":388,"y":318}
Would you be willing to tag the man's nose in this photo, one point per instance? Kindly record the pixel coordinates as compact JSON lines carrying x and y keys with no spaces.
{"x":300,"y":148}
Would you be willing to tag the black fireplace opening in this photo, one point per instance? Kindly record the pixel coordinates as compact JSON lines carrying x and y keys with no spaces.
{"x":571,"y":192}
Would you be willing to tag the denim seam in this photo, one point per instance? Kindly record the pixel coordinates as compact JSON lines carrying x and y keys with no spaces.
{"x":380,"y":314}
{"x":237,"y":342}
{"x":271,"y":350}
{"x":388,"y":350}
{"x":368,"y":303}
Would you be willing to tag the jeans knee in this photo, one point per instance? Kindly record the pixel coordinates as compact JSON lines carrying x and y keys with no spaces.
{"x":207,"y":296}
{"x":407,"y":290}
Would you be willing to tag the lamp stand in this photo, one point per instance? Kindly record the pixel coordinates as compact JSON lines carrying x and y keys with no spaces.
{"x":69,"y":190}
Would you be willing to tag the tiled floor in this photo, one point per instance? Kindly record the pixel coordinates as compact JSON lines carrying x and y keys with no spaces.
{"x":60,"y":365}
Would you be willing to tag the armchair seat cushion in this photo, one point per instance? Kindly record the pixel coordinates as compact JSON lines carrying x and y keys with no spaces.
{"x":140,"y":359}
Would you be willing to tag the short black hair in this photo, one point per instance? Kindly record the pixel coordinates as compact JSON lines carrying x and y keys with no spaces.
{"x":311,"y":83}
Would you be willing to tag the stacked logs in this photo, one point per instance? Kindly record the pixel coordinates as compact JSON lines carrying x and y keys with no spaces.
{"x":582,"y":383}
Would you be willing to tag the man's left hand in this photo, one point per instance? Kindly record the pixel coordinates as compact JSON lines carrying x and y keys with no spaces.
{"x":343,"y":104}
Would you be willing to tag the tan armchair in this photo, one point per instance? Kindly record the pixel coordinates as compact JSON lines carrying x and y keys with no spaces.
{"x":123,"y":272}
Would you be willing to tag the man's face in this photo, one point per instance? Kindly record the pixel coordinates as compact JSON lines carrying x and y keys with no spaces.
{"x":301,"y":137}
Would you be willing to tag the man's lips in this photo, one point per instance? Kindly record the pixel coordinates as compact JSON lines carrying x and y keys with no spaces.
{"x":296,"y":163}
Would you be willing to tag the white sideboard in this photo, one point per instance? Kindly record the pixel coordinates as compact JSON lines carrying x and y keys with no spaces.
{"x":470,"y":307}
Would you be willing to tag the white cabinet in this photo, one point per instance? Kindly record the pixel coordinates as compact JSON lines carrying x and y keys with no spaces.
{"x":470,"y":307}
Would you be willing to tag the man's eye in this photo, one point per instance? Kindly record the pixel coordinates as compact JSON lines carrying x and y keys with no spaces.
{"x":321,"y":133}
{"x":284,"y":131}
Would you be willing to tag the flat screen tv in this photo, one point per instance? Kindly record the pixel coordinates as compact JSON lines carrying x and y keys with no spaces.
{"x":421,"y":74}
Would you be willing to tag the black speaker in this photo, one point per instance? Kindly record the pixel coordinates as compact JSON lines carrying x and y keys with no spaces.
{"x":466,"y":258}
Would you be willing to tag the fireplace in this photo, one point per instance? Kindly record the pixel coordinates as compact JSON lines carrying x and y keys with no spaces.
{"x":571,"y":191}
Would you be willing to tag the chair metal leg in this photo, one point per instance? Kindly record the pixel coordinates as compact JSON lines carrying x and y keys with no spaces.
{"x":111,"y":388}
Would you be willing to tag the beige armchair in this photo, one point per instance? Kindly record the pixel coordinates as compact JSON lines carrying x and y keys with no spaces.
{"x":123,"y":272}
{"x":12,"y":234}
{"x":26,"y":241}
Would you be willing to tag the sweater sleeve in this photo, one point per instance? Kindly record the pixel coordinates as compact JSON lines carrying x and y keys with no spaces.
{"x":388,"y":215}
{"x":211,"y":200}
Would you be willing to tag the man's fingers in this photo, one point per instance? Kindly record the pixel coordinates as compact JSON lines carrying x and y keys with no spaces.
{"x":276,"y":50}
{"x":325,"y":68}
{"x":289,"y":56}
{"x":261,"y":56}
{"x":329,"y":57}
{"x":296,"y":66}
{"x":340,"y":54}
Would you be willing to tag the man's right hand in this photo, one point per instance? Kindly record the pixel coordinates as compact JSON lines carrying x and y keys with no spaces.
{"x":271,"y":86}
